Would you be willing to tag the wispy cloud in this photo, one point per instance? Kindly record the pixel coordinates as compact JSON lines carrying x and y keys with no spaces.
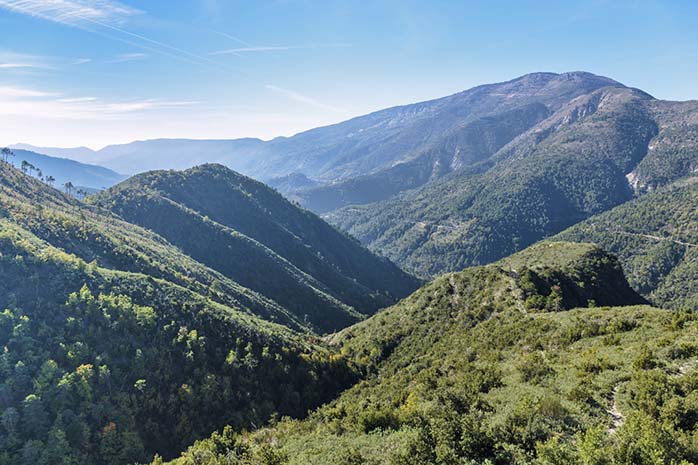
{"x":20,"y":101}
{"x":102,"y":17}
{"x":19,"y":61}
{"x":72,"y":12}
{"x":21,"y":92}
{"x":80,"y":61}
{"x":125,"y":57}
{"x":298,"y":97}
{"x":17,"y":65}
{"x":273,"y":48}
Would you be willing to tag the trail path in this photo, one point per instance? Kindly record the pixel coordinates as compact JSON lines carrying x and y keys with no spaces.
{"x":617,"y":417}
{"x":655,"y":238}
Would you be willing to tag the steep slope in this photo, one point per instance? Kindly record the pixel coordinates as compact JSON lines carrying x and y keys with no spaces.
{"x":656,"y":239}
{"x":118,"y":346}
{"x":64,"y":170}
{"x":565,"y":169}
{"x":464,"y":371}
{"x":251,"y":234}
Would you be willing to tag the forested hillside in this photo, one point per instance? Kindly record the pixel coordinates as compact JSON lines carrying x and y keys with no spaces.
{"x":251,"y":234}
{"x":596,"y":152}
{"x":117,"y":345}
{"x":656,"y":239}
{"x":496,"y":364}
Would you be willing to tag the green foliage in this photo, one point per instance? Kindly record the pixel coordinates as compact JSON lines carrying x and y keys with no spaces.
{"x":461,"y":372}
{"x":103,"y":364}
{"x":249,"y":233}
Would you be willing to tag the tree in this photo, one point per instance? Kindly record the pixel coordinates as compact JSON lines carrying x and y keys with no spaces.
{"x":6,"y":154}
{"x":24,"y":166}
{"x":69,"y":187}
{"x":50,"y":180}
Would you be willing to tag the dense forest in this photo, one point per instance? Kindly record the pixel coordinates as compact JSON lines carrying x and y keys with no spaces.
{"x":118,"y":345}
{"x":249,"y":233}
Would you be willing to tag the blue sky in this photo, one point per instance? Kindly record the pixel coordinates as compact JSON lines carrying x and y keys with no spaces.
{"x":95,"y":72}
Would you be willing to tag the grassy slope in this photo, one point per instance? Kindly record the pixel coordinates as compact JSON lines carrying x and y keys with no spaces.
{"x":463,"y":371}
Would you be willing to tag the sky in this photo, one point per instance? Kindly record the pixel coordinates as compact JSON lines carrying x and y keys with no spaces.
{"x":98,"y":72}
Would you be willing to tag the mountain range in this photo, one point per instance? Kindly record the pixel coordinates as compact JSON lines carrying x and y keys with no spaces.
{"x":467,"y":178}
{"x":504,"y":275}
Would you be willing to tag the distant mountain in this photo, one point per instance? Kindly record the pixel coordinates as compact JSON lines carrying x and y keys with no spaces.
{"x":141,"y":156}
{"x":65,"y":170}
{"x":119,"y":346}
{"x":407,"y":145}
{"x":292,"y":182}
{"x":597,"y":151}
{"x":81,"y":154}
{"x":656,"y":239}
{"x":251,"y":234}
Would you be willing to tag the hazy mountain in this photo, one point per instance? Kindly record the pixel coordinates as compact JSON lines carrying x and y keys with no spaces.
{"x":426,"y":139}
{"x":65,"y":170}
{"x":82,"y":154}
{"x":496,"y":365}
{"x":141,"y":156}
{"x":251,"y":234}
{"x":292,"y":182}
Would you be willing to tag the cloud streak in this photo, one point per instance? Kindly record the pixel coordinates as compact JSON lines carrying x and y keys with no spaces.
{"x":19,"y":61}
{"x":298,"y":97}
{"x":126,"y":57}
{"x":102,"y":17}
{"x":273,"y":48}
{"x":18,"y":65}
{"x":20,"y":101}
{"x":72,"y":12}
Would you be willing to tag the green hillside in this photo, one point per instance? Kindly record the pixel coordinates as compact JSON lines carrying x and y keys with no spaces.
{"x":469,"y":369}
{"x":251,"y":234}
{"x":656,"y":239}
{"x":116,"y":345}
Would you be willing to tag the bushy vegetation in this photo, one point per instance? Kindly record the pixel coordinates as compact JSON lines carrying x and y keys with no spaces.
{"x":461,"y":372}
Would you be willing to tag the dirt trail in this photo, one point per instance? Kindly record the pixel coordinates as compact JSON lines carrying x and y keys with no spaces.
{"x":617,"y":417}
{"x":655,"y":238}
